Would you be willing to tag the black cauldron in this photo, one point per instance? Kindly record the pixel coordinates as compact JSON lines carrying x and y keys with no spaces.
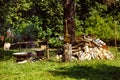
{"x":40,"y":53}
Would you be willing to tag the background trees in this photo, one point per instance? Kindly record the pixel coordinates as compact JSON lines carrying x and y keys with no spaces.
{"x":41,"y":19}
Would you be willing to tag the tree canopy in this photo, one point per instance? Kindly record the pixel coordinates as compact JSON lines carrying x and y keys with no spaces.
{"x":41,"y":19}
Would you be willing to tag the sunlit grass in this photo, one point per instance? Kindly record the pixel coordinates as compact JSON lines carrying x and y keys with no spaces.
{"x":53,"y":69}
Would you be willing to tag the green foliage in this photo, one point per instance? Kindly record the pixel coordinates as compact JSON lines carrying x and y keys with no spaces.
{"x":99,"y":26}
{"x":79,"y":27}
{"x":34,"y":29}
{"x":41,"y":20}
{"x":97,"y":18}
{"x":55,"y":42}
{"x":99,"y":23}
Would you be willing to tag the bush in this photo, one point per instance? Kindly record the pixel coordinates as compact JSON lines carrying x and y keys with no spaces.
{"x":55,"y":42}
{"x":99,"y":26}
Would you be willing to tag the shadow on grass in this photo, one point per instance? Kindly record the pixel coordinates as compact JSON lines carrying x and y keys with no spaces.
{"x":99,"y":72}
{"x":6,"y":55}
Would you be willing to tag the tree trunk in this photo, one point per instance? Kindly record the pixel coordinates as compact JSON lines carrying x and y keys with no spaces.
{"x":69,"y":28}
{"x":69,"y":23}
{"x":67,"y":52}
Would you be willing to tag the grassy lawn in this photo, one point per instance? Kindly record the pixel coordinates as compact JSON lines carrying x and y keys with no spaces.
{"x":53,"y":69}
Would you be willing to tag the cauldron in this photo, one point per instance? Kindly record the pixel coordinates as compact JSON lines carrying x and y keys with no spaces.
{"x":20,"y":56}
{"x":40,"y":53}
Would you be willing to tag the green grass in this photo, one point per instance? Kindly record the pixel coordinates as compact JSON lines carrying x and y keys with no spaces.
{"x":53,"y":69}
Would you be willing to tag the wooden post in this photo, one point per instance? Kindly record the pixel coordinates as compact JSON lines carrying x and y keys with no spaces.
{"x":47,"y":49}
{"x":115,"y":38}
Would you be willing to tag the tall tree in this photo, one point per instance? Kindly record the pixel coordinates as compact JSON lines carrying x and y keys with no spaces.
{"x":69,"y":28}
{"x":69,"y":23}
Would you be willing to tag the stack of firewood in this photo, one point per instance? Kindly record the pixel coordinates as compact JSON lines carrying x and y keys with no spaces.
{"x":91,"y":48}
{"x":94,"y":53}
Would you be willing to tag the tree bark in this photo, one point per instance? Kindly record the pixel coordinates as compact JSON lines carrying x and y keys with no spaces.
{"x":69,"y":28}
{"x":67,"y":52}
{"x":69,"y":12}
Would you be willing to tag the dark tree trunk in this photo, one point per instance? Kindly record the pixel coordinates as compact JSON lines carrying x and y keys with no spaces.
{"x":109,"y":2}
{"x":69,"y":23}
{"x":69,"y":28}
